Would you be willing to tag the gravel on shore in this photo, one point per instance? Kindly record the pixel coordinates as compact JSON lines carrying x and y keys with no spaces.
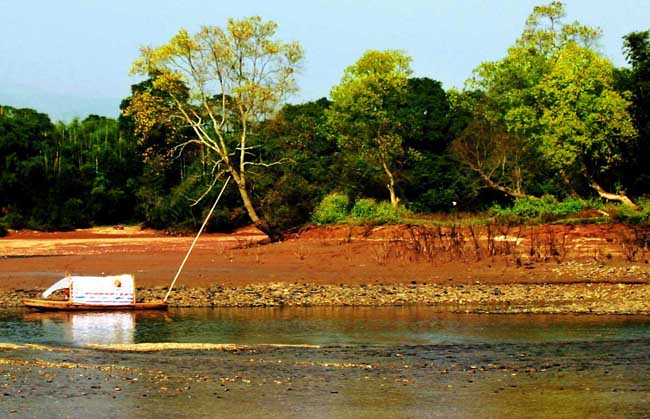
{"x":580,"y":298}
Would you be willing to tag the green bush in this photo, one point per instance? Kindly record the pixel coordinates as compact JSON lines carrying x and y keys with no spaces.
{"x":388,"y":214}
{"x":546,"y":208}
{"x":367,"y":210}
{"x":13,"y":220}
{"x":629,"y":215}
{"x":364,"y":209}
{"x":3,"y":230}
{"x":332,"y":209}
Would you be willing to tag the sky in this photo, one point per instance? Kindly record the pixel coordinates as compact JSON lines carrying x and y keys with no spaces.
{"x":71,"y":58}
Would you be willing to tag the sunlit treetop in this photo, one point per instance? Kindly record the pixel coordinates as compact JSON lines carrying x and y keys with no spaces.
{"x":243,"y":62}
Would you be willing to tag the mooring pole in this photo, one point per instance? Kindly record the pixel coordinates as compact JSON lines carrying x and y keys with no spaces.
{"x":196,"y":239}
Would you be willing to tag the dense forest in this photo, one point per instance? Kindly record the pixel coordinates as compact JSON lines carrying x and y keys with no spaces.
{"x":552,"y":121}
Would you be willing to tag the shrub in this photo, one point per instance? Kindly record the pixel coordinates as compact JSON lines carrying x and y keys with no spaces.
{"x":629,"y":215}
{"x":574,"y":205}
{"x":3,"y":230}
{"x":546,"y":208}
{"x":332,"y":209}
{"x":364,"y":209}
{"x":367,"y":210}
{"x":14,"y":221}
{"x":385,"y":213}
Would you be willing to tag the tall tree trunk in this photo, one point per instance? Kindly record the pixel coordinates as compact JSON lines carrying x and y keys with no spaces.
{"x":260,"y":223}
{"x":619,"y":197}
{"x":394,"y":200}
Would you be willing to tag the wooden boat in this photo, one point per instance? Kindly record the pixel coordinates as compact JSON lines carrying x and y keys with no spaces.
{"x":108,"y":292}
{"x":43,"y":304}
{"x":94,"y":293}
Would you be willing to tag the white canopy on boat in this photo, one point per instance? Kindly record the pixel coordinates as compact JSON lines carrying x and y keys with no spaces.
{"x":59,"y":285}
{"x":97,"y":290}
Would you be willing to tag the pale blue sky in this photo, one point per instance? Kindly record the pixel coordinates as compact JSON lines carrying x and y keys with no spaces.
{"x":72,"y":57}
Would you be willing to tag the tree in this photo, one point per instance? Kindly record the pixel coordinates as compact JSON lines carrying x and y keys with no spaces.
{"x":169,"y":182}
{"x":554,"y":97}
{"x":363,"y":108}
{"x":636,"y":79}
{"x":498,"y":159}
{"x":27,"y":143}
{"x":149,"y":116}
{"x":64,"y":176}
{"x":585,"y":123}
{"x":222,"y":81}
{"x":299,"y":134}
{"x":432,"y":180}
{"x":492,"y":153}
{"x":423,"y":113}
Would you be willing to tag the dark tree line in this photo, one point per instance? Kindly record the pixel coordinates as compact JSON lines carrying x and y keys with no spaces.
{"x":63,"y":176}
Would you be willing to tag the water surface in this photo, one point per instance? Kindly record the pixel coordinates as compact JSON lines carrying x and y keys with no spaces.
{"x":314,"y":325}
{"x":394,"y":362}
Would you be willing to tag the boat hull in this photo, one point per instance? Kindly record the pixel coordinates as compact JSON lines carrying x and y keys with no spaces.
{"x":60,"y":305}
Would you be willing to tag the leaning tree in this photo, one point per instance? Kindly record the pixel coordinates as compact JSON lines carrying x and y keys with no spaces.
{"x":222,"y":82}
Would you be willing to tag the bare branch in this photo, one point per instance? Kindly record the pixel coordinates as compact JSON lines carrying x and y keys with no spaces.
{"x":262,"y":164}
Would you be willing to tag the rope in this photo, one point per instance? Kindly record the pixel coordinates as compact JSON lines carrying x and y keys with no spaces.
{"x":196,"y":239}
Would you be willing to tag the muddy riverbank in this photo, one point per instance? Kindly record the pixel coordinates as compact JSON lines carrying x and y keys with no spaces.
{"x":599,"y":269}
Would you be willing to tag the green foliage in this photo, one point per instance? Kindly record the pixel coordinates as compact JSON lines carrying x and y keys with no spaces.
{"x":636,"y":81}
{"x":364,"y":209}
{"x":551,"y":119}
{"x":335,"y":208}
{"x":290,"y":202}
{"x":584,"y":123}
{"x":3,"y":230}
{"x":332,"y":209}
{"x":546,"y":208}
{"x":222,"y":82}
{"x":64,"y":176}
{"x":27,"y":139}
{"x":629,"y":215}
{"x":368,"y":211}
{"x":297,"y":136}
{"x":13,"y":220}
{"x":172,"y":206}
{"x":361,"y":115}
{"x":423,"y":115}
{"x":225,"y":218}
{"x":549,"y":104}
{"x":436,"y":181}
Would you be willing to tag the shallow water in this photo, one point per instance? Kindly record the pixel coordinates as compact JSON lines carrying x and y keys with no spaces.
{"x":406,"y":362}
{"x":314,"y":325}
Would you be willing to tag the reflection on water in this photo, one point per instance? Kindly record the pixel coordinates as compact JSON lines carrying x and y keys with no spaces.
{"x":314,"y":325}
{"x":90,"y":327}
{"x":408,"y":362}
{"x":70,"y":328}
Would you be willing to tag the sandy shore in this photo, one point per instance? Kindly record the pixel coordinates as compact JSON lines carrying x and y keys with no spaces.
{"x":543,"y":269}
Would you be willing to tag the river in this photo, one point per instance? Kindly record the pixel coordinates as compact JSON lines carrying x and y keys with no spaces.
{"x":393,"y":362}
